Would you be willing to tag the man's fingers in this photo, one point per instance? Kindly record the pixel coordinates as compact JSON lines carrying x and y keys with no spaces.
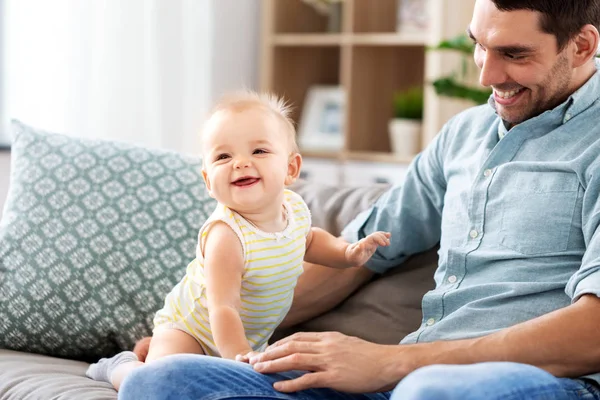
{"x":296,"y":361}
{"x":300,"y":337}
{"x":307,"y":381}
{"x":285,"y":350}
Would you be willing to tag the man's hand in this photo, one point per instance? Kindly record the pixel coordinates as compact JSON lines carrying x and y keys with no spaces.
{"x":360,"y":252}
{"x":246,"y":357}
{"x":334,"y":360}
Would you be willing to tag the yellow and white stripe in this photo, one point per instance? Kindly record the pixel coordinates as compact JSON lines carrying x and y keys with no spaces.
{"x":273,"y":264}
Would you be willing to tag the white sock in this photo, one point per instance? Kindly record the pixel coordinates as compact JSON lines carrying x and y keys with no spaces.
{"x":102,"y":370}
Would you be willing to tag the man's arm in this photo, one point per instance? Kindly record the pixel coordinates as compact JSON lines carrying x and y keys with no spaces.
{"x":565,"y":343}
{"x":320,"y":288}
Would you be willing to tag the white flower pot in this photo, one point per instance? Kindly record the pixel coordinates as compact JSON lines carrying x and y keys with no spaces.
{"x":405,"y":136}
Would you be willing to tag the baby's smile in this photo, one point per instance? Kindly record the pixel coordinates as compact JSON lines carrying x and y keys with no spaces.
{"x":245,"y":181}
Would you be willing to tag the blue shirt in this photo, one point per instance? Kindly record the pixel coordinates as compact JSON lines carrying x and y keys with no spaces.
{"x":516,"y":219}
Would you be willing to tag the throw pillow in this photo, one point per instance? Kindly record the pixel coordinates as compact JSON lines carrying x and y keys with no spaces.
{"x":93,"y":236}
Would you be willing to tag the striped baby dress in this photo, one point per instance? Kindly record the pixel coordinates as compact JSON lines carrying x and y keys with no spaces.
{"x":273,"y":262}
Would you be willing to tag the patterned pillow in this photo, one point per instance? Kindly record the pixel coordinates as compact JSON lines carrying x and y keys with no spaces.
{"x":94,"y":234}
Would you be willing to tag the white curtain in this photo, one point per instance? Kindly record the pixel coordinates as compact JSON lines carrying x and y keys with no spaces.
{"x":131,"y":70}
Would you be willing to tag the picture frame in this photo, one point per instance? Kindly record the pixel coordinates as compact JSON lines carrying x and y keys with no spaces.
{"x":321,"y":125}
{"x":413,"y":16}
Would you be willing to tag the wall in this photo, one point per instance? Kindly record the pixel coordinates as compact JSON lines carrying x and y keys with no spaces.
{"x":236,"y":45}
{"x":232,"y":64}
{"x":3,"y":134}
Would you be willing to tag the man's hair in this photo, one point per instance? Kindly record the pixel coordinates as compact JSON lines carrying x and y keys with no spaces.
{"x":561,"y":18}
{"x":247,"y":99}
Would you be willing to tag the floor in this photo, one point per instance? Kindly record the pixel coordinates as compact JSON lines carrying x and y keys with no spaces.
{"x":4,"y":175}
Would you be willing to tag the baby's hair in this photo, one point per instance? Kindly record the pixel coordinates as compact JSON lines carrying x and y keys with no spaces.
{"x":246,"y":99}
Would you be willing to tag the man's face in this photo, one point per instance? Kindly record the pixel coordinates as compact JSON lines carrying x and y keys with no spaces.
{"x":519,"y":62}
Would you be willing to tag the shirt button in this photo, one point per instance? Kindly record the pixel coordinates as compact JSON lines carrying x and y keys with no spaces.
{"x":487,"y":173}
{"x":452,"y":279}
{"x":473,"y":234}
{"x":430,"y":321}
{"x":567,"y":117}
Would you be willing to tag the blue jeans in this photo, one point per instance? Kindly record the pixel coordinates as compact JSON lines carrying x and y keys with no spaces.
{"x":187,"y":376}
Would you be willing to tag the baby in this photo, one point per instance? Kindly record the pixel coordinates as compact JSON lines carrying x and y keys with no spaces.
{"x":250,"y":251}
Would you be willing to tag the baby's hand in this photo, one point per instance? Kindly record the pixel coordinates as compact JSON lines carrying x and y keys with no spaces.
{"x":246,"y":357}
{"x":359,"y":253}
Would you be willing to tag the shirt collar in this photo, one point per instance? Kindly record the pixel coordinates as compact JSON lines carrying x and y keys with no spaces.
{"x":585,"y":96}
{"x":578,"y":102}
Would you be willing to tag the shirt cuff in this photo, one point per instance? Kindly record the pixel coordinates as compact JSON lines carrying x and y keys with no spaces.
{"x":588,"y":285}
{"x":355,"y":231}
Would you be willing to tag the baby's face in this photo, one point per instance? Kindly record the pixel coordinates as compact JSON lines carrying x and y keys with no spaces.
{"x":246,"y":159}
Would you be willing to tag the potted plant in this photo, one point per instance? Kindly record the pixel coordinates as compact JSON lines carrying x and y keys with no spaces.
{"x":405,"y":128}
{"x":454,"y":85}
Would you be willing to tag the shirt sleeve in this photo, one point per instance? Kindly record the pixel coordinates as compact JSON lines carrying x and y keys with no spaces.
{"x":587,"y":279}
{"x":411,"y":212}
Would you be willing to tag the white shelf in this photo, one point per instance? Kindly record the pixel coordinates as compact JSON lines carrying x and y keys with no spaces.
{"x":388,"y":39}
{"x":307,"y":39}
{"x":357,"y":39}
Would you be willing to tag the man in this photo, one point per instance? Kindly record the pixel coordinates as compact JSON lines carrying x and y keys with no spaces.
{"x":511,"y":191}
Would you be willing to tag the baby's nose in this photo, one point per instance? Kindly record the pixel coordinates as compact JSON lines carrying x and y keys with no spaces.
{"x":242,"y":162}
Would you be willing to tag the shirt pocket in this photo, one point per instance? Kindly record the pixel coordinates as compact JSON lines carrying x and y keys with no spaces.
{"x":537,"y":216}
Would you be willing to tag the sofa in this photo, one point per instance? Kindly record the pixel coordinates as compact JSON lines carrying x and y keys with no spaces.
{"x":94,"y":233}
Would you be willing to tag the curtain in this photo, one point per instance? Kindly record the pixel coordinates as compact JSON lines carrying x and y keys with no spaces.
{"x":131,"y":70}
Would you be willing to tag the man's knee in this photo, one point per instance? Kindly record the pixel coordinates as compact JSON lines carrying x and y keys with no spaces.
{"x":427,"y":383}
{"x":474,"y":381}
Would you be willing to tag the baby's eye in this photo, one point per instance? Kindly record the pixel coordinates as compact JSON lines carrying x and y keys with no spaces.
{"x":221,"y":157}
{"x":260,"y":151}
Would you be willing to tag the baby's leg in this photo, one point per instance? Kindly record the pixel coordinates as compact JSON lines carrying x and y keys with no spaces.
{"x":164,"y":342}
{"x":141,"y":348}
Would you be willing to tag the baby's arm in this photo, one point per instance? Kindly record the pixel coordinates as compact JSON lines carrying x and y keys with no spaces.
{"x":325,"y":249}
{"x":223,"y":269}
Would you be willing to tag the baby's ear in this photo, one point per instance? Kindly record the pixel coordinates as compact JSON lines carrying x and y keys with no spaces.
{"x":207,"y":182}
{"x":294,"y":165}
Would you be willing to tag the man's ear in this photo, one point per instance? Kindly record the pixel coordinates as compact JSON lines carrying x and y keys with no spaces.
{"x":207,"y":182}
{"x":294,"y":165}
{"x":586,"y":45}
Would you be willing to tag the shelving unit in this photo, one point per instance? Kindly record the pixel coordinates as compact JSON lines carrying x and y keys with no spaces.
{"x":368,"y":58}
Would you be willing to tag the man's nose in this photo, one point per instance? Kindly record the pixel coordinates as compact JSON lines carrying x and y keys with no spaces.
{"x":492,"y":70}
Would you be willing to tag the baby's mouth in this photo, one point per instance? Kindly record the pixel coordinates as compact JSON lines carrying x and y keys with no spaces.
{"x":245,"y":181}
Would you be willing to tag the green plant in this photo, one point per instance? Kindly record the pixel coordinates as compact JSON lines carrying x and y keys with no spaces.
{"x":453,"y":86}
{"x":408,"y":104}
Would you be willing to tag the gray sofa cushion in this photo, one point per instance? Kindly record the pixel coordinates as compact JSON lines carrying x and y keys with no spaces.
{"x":34,"y":377}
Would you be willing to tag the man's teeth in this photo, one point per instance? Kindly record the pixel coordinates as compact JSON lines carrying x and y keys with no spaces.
{"x":508,"y":95}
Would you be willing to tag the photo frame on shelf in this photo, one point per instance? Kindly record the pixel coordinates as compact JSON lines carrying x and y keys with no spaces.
{"x":322,"y":123}
{"x":412,"y":16}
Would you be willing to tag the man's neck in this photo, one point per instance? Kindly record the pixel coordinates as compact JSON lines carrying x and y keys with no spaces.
{"x":583,"y":74}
